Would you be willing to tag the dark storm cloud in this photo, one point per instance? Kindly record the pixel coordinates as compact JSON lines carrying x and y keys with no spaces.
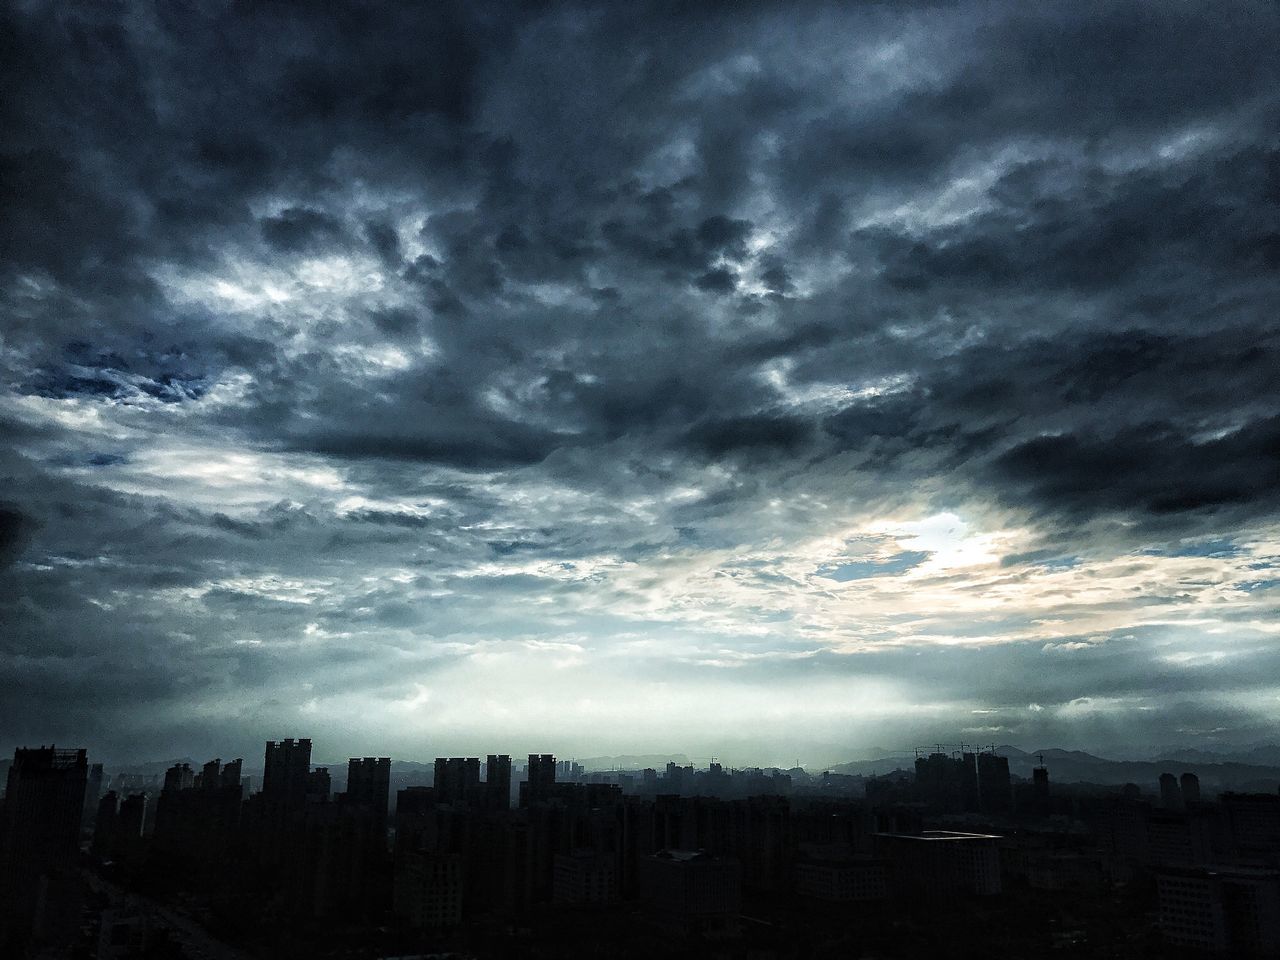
{"x":290,"y":293}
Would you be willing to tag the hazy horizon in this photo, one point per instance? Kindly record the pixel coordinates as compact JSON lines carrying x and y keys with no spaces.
{"x":771,"y":381}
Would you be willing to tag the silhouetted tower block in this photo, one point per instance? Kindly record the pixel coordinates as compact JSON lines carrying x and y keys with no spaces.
{"x":129,"y":824}
{"x":170,"y":823}
{"x":1253,"y":820}
{"x":994,"y":788}
{"x":569,"y":771}
{"x":933,"y":781}
{"x":286,"y":767}
{"x":178,"y":777}
{"x":428,"y":889}
{"x":541,"y":778}
{"x":1170,"y":793}
{"x":415,"y":819}
{"x":319,"y":785}
{"x":40,"y":845}
{"x":210,"y":777}
{"x":457,"y":779}
{"x":231,"y":773}
{"x":692,"y":893}
{"x":1040,"y":787}
{"x":369,"y":785}
{"x":497,"y":787}
{"x":44,"y":802}
{"x":104,"y":825}
{"x":1190,"y":785}
{"x":92,"y":794}
{"x":967,"y":774}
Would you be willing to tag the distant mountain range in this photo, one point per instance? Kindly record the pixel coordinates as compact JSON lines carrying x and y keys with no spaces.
{"x":1257,"y":768}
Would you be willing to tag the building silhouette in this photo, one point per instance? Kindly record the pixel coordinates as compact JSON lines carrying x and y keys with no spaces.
{"x":693,"y":893}
{"x":457,"y":779}
{"x":39,"y":841}
{"x":1170,"y":792}
{"x":285,"y":771}
{"x":1190,"y":788}
{"x":940,"y":863}
{"x":540,"y":779}
{"x":497,"y":784}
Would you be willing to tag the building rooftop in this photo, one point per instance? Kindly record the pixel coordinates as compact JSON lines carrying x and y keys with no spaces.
{"x":940,"y":835}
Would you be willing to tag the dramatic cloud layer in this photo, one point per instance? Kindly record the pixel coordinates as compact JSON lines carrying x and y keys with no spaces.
{"x":765,"y":382}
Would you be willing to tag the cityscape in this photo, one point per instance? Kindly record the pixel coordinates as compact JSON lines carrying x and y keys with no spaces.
{"x":757,"y":480}
{"x":950,"y":855}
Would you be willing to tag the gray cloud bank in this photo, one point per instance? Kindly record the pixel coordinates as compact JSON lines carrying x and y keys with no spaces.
{"x":644,"y":376}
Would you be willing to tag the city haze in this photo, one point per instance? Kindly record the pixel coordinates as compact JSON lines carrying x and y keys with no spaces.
{"x":758,"y":383}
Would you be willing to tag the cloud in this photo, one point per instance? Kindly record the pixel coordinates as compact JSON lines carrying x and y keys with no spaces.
{"x":399,"y":355}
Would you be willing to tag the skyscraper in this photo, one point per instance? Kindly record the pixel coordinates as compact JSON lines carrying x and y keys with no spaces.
{"x":1170,"y":793}
{"x":92,"y":793}
{"x":39,"y":838}
{"x":231,"y":772}
{"x":541,"y":777}
{"x":457,"y":779}
{"x":369,"y":784}
{"x":497,"y":787}
{"x":44,"y":801}
{"x":1190,"y":785}
{"x":284,"y":772}
{"x":994,"y":788}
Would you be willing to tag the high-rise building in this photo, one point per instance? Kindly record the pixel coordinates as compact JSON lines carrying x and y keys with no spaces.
{"x":1190,"y":785}
{"x":40,"y":846}
{"x":941,"y":863}
{"x":131,"y":820}
{"x":457,"y":779}
{"x":1228,"y":911}
{"x":285,"y":770}
{"x":319,"y":785}
{"x":44,"y":801}
{"x":178,"y":777}
{"x":428,"y":889}
{"x":369,"y":785}
{"x":540,"y":778}
{"x":692,"y":893}
{"x":1040,"y":789}
{"x":231,"y":772}
{"x":497,"y":785}
{"x":584,"y":876}
{"x":104,"y":825}
{"x":92,"y":793}
{"x":994,"y":787}
{"x":211,"y":774}
{"x":1170,"y":793}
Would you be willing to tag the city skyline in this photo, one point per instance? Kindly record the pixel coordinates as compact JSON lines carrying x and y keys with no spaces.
{"x":760,"y":382}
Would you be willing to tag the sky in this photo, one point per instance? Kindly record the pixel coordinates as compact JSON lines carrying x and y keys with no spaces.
{"x":771,"y":382}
